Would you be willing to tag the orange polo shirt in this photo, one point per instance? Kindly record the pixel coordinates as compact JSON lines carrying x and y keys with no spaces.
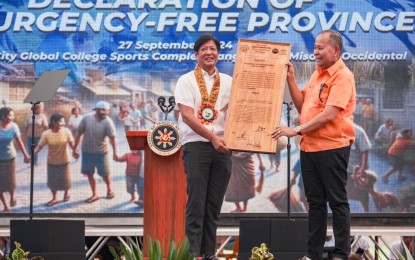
{"x":339,"y":90}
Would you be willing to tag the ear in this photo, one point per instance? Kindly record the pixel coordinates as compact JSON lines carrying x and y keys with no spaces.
{"x":337,"y":50}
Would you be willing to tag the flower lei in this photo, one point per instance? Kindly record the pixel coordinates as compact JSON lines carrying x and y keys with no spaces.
{"x":207,"y":112}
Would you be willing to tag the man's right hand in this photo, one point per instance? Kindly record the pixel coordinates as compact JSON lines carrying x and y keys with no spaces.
{"x":290,"y":71}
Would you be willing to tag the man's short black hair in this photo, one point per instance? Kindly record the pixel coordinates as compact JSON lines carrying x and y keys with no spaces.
{"x":204,"y":39}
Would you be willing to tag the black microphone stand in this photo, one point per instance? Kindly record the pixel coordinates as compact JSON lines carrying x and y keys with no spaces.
{"x":32,"y":158}
{"x":289,"y":108}
{"x":166,"y":109}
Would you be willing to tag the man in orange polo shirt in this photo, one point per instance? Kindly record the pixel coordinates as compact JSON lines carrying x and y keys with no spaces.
{"x":326,"y":105}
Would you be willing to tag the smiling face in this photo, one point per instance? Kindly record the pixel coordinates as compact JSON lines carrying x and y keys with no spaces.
{"x":327,"y":53}
{"x":6,"y":115}
{"x":207,"y":56}
{"x":8,"y":118}
{"x":59,"y":124}
{"x":102,"y":113}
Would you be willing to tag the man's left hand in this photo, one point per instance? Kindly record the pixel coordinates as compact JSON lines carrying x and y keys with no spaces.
{"x":283,"y":131}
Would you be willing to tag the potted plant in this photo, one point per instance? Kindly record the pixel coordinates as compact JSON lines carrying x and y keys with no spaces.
{"x":179,"y":251}
{"x":19,"y":254}
{"x":261,"y":253}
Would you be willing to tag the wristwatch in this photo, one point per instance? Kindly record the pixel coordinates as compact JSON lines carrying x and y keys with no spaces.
{"x":298,"y":130}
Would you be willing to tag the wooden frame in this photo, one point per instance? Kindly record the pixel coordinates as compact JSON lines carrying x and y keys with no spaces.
{"x":257,"y":95}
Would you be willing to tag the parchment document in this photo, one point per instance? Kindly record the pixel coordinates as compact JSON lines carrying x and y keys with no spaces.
{"x":257,"y":95}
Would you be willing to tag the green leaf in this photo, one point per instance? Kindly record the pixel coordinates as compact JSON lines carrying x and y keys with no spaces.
{"x":138,"y":253}
{"x":149,"y":248}
{"x":127,"y":251}
{"x":19,"y":253}
{"x":130,"y":252}
{"x":158,"y":253}
{"x":114,"y":253}
{"x":183,"y":250}
{"x":171,"y":255}
{"x":179,"y":251}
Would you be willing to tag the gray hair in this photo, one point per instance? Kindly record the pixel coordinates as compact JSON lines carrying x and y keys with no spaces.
{"x":335,"y":38}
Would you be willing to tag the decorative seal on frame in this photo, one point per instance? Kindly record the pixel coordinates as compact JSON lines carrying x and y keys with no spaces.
{"x":244,"y":48}
{"x":163,"y":138}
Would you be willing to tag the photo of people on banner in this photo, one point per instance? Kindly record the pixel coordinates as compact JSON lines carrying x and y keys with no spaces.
{"x":122,"y":57}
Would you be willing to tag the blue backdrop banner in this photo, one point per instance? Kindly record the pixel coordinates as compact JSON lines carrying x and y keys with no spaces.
{"x":129,"y":52}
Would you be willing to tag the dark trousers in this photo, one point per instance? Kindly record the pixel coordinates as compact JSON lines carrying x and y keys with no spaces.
{"x":208,"y":173}
{"x":325,"y":177}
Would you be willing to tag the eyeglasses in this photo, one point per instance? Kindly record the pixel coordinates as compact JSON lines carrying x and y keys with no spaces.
{"x":322,"y":86}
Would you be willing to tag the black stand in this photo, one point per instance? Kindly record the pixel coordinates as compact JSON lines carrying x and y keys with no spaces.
{"x":52,"y":239}
{"x":32,"y":158}
{"x":289,"y":108}
{"x":43,"y":90}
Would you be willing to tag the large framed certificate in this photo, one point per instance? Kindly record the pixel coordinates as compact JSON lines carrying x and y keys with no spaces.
{"x":257,"y":95}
